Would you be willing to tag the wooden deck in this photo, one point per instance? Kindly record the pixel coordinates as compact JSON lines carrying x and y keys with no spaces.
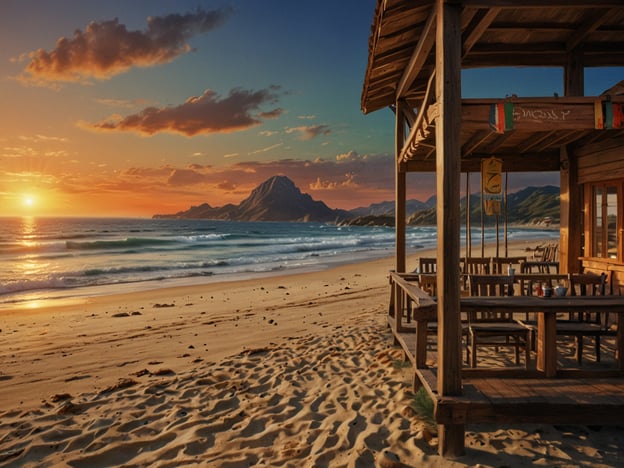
{"x":578,"y":395}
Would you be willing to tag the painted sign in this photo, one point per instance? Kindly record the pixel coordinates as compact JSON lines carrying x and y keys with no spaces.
{"x":491,"y":184}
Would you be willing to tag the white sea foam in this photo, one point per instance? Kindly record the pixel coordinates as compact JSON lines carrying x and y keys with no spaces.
{"x":71,"y":254}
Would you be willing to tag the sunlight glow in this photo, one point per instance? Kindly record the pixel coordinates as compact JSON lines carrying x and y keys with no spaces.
{"x":28,"y":200}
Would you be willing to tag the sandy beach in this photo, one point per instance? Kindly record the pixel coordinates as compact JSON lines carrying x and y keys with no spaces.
{"x":296,"y":370}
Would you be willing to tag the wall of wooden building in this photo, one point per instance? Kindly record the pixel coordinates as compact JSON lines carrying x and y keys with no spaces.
{"x":602,"y":162}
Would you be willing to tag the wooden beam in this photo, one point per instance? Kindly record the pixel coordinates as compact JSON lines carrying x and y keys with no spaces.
{"x":476,"y":140}
{"x":530,"y":162}
{"x":410,"y":115}
{"x":574,"y":74}
{"x":543,"y":58}
{"x":571,"y":206}
{"x":476,"y":30}
{"x":515,"y":4}
{"x":419,"y":55}
{"x":400,"y":190}
{"x":448,"y":151}
{"x":590,"y":25}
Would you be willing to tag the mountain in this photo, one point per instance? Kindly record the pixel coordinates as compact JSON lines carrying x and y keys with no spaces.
{"x":386,"y":208}
{"x":276,"y":199}
{"x":279,"y":199}
{"x":531,"y":205}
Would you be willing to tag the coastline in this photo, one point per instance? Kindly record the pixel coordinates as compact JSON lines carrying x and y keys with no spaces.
{"x":292,"y":370}
{"x":74,"y":295}
{"x":60,"y":321}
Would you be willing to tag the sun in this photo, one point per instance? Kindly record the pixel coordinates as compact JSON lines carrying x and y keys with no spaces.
{"x":28,"y":201}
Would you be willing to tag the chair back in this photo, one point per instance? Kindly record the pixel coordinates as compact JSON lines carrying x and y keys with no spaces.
{"x":491,"y":285}
{"x":588,"y":284}
{"x":500,"y":265}
{"x":427,"y":265}
{"x":476,"y":265}
{"x":551,"y":253}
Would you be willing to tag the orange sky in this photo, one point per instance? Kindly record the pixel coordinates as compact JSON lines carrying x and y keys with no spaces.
{"x":135,"y":108}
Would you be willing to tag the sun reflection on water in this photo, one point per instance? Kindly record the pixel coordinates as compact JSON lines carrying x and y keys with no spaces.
{"x":29,"y":265}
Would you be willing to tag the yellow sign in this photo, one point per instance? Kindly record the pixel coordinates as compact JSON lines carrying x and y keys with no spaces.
{"x":491,"y":176}
{"x":492,"y":185}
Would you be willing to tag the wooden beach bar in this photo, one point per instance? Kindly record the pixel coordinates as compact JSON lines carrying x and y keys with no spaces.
{"x":417,"y":51}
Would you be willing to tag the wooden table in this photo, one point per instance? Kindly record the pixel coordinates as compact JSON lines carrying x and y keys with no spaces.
{"x":546,"y":309}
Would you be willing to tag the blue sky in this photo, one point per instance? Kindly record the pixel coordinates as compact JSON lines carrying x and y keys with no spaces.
{"x":224,"y":96}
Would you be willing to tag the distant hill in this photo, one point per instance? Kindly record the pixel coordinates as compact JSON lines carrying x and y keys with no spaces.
{"x":276,"y":199}
{"x":279,"y":199}
{"x":531,"y":205}
{"x":386,"y":208}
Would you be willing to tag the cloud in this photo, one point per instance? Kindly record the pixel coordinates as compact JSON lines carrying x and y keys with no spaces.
{"x":148,"y":172}
{"x":43,"y":138}
{"x":107,"y":48}
{"x":268,"y":148}
{"x":319,"y":184}
{"x":274,"y":114}
{"x":349,"y":156}
{"x":310,"y":132}
{"x":123,"y":103}
{"x":207,"y":113}
{"x":180,"y":177}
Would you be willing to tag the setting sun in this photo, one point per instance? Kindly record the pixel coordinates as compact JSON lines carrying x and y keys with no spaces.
{"x":28,"y":200}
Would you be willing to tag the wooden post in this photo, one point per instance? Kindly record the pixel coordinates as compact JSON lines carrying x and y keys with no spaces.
{"x":571,"y":200}
{"x":506,"y":234}
{"x":571,"y":205}
{"x":482,"y":225}
{"x":400,"y":190}
{"x":468,"y":251}
{"x":448,"y":152}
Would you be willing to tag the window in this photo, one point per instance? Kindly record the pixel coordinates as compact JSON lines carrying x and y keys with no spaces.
{"x":606,"y":227}
{"x":611,"y":221}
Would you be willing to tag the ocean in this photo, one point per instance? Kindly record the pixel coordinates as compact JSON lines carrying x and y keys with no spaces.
{"x":48,"y":258}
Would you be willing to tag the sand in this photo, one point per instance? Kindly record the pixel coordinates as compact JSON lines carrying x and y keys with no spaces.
{"x":296,"y":370}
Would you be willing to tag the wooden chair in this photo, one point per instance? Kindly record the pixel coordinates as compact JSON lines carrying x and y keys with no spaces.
{"x":527,"y":287}
{"x":500,"y":265}
{"x":429,"y":283}
{"x":541,"y":266}
{"x":473,"y":266}
{"x":499,"y":328}
{"x":476,"y":265}
{"x":580,"y":325}
{"x":427,"y":265}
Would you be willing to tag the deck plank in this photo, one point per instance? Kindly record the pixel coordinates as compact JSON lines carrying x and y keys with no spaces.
{"x":513,"y":395}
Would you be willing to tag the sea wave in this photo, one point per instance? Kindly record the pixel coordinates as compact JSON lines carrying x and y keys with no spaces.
{"x":58,"y":254}
{"x":116,"y":244}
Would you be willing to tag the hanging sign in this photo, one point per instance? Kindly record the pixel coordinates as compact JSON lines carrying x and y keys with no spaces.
{"x":491,"y":184}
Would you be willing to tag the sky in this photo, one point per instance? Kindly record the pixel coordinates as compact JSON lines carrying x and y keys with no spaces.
{"x":133,"y":108}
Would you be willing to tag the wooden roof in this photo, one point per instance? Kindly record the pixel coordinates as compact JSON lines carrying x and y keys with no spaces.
{"x":494,"y":33}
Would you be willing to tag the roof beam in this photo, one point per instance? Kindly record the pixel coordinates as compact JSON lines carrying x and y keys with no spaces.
{"x":419,"y":55}
{"x":587,"y":27}
{"x":515,"y":4}
{"x":477,"y":30}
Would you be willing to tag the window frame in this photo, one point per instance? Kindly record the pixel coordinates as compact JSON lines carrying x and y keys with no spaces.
{"x":592,"y":243}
